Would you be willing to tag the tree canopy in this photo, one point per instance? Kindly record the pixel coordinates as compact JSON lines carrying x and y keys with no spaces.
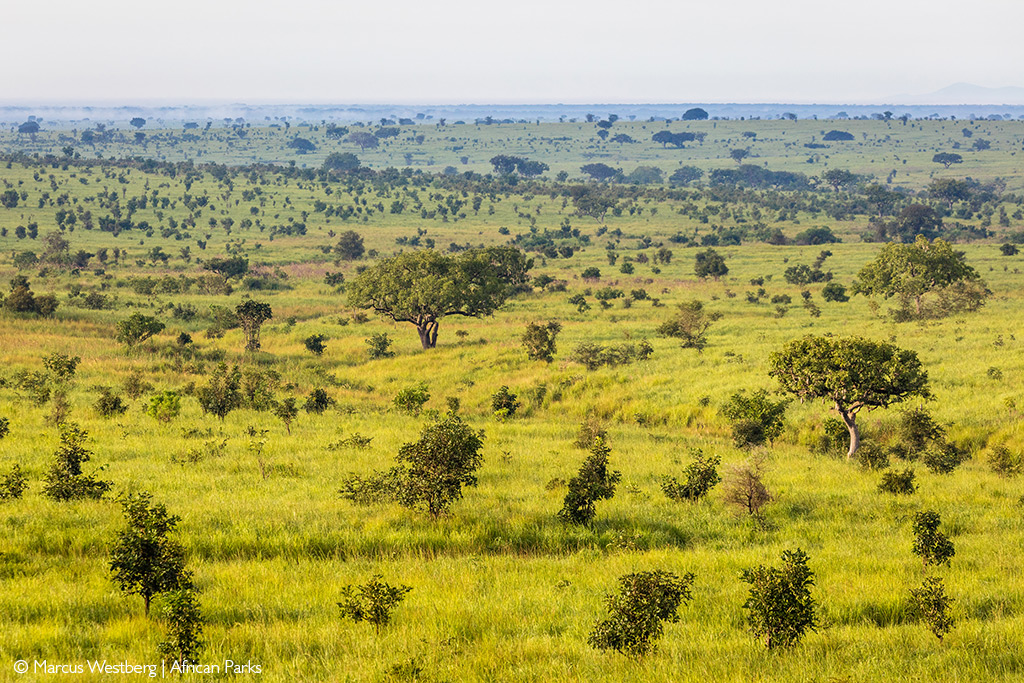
{"x":912,"y":271}
{"x":422,"y":287}
{"x":851,"y":373}
{"x":695,"y":114}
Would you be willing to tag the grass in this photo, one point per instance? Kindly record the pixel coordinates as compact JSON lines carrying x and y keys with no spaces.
{"x":501,"y":589}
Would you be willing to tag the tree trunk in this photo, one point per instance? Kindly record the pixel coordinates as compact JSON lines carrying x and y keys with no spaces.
{"x":850,"y":419}
{"x":147,"y":598}
{"x":428,"y":334}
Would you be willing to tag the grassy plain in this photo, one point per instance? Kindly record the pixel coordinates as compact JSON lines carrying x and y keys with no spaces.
{"x":501,"y":589}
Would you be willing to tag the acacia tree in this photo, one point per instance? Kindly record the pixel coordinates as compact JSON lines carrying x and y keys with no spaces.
{"x":137,"y":328}
{"x":251,"y":316}
{"x":422,"y":287}
{"x":852,"y":373}
{"x":912,"y":271}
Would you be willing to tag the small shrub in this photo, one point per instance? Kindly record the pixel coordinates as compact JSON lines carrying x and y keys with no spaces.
{"x":915,"y":431}
{"x":180,"y":611}
{"x":65,"y":479}
{"x":412,"y":399}
{"x":371,"y":602}
{"x":5,"y":427}
{"x":1005,"y":462}
{"x":943,"y":457}
{"x":135,"y":386}
{"x":834,"y":291}
{"x":317,"y":402}
{"x":780,"y":607}
{"x":13,"y":484}
{"x":286,"y":411}
{"x":690,"y":325}
{"x":756,"y":418}
{"x":504,"y":403}
{"x":380,"y":345}
{"x":164,"y":406}
{"x":636,"y":614}
{"x":109,"y":404}
{"x":701,"y":476}
{"x":898,"y":483}
{"x":591,"y":273}
{"x":590,"y":431}
{"x":834,"y":439}
{"x":870,"y":456}
{"x":380,"y":487}
{"x":539,"y":340}
{"x":930,"y":544}
{"x":930,"y":603}
{"x":594,"y":482}
{"x":745,"y":489}
{"x":315,"y":344}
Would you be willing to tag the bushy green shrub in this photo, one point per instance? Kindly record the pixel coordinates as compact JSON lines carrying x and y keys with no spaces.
{"x":636,"y":614}
{"x":109,"y":404}
{"x":412,"y":399}
{"x":539,"y":340}
{"x":371,"y":602}
{"x":930,"y":603}
{"x":13,"y":484}
{"x":380,"y":345}
{"x":65,"y":480}
{"x":1005,"y":462}
{"x":930,"y":544}
{"x":898,"y":483}
{"x":315,"y":344}
{"x":594,"y":482}
{"x":317,"y":402}
{"x":504,"y":403}
{"x":164,"y":406}
{"x":701,"y":476}
{"x":184,"y":639}
{"x":780,"y":607}
{"x":755,"y":418}
{"x":872,"y":456}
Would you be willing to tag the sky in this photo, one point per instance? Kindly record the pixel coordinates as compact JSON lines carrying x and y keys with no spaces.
{"x":529,"y":51}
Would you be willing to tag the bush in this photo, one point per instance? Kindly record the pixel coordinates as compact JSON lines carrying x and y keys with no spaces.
{"x":834,"y":291}
{"x":591,"y":273}
{"x":1004,"y":462}
{"x":943,"y":457}
{"x":180,"y":611}
{"x":379,"y":344}
{"x":5,"y":427}
{"x":593,"y":483}
{"x":380,"y":487}
{"x":371,"y":602}
{"x":930,"y":603}
{"x":315,"y":344}
{"x":701,"y":477}
{"x":872,"y":457}
{"x":756,"y":418}
{"x":780,"y":607}
{"x":636,"y":614}
{"x":504,"y":403}
{"x":317,"y":402}
{"x":439,"y":464}
{"x":898,"y":483}
{"x":164,"y":406}
{"x":930,"y":544}
{"x":65,"y":480}
{"x":709,"y":263}
{"x":412,"y":399}
{"x":915,"y":431}
{"x":539,"y":340}
{"x":745,"y":489}
{"x":109,"y":404}
{"x":690,"y":324}
{"x":834,"y":440}
{"x":589,"y":433}
{"x":13,"y":484}
{"x":593,"y":356}
{"x":223,"y":393}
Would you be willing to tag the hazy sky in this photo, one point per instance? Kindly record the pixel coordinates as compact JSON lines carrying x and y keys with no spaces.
{"x":452,"y":51}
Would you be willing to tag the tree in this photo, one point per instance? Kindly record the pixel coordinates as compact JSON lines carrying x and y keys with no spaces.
{"x":222,"y":393}
{"x":341,"y":162}
{"x":144,"y":560}
{"x":138,"y":122}
{"x":251,"y":315}
{"x":837,"y":136}
{"x":882,"y":197}
{"x":677,"y":140}
{"x":600,"y":171}
{"x":709,"y":263}
{"x":915,"y":220}
{"x":372,"y":602}
{"x":947,"y":159}
{"x":137,"y":328}
{"x":930,"y":602}
{"x":755,"y":418}
{"x":301,"y":145}
{"x":852,"y":373}
{"x":685,"y":175}
{"x":29,"y":127}
{"x":837,"y":177}
{"x":695,"y":114}
{"x":701,"y":476}
{"x":780,"y":607}
{"x":636,"y":614}
{"x":315,"y":344}
{"x":594,"y":482}
{"x":1008,"y":249}
{"x":911,"y":272}
{"x":423,"y":287}
{"x":180,"y":611}
{"x":363,"y":140}
{"x":438,"y":465}
{"x":350,"y":246}
{"x":505,"y":164}
{"x":539,"y":340}
{"x":738,"y":155}
{"x":930,"y":544}
{"x":287,"y":411}
{"x":690,"y":324}
{"x":9,"y":198}
{"x":645,"y":175}
{"x":236,"y":266}
{"x":949,"y":190}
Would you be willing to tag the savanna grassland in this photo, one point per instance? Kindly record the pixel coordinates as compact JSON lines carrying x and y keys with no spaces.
{"x":502,"y":589}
